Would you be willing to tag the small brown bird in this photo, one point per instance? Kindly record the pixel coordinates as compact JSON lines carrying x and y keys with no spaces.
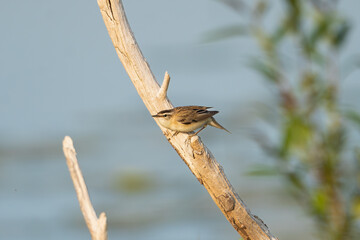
{"x":187,"y":119}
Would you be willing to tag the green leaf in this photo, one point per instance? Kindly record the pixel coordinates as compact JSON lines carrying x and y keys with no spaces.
{"x":260,"y":8}
{"x":263,"y":170}
{"x":294,"y":14}
{"x":339,"y":33}
{"x":235,"y":5}
{"x":319,"y":202}
{"x":356,"y":206}
{"x":353,"y":117}
{"x":226,"y":32}
{"x":265,"y":40}
{"x":296,"y":180}
{"x":279,"y":33}
{"x":297,"y":134}
{"x":266,"y":69}
{"x":308,"y":81}
{"x":320,"y":30}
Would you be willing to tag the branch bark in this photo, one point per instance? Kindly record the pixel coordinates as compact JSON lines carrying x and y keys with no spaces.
{"x":96,"y":226}
{"x":195,"y":154}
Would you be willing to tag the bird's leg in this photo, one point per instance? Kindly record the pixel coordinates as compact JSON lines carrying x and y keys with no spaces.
{"x":190,"y":136}
{"x":200,"y":130}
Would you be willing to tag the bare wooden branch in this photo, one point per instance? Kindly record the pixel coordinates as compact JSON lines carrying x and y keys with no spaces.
{"x":162,"y":94}
{"x":96,"y":226}
{"x":197,"y":157}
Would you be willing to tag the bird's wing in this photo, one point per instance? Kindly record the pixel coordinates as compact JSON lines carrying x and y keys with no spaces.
{"x":194,"y":114}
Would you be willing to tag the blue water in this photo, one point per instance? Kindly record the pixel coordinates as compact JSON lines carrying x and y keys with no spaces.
{"x":60,"y":76}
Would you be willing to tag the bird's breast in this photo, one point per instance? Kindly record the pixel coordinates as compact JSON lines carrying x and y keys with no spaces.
{"x":181,"y":127}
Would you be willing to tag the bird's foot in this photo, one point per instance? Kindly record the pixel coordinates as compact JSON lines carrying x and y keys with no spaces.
{"x":188,"y":139}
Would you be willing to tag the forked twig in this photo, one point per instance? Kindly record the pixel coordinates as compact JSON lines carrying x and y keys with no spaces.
{"x":96,"y":226}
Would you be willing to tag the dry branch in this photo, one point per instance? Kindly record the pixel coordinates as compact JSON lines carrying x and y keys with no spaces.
{"x":96,"y":226}
{"x":197,"y":157}
{"x":162,"y":94}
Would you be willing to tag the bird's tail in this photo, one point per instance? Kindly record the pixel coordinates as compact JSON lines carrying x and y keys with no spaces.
{"x":214,"y":123}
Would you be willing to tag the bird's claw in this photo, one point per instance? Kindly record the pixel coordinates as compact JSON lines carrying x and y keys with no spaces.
{"x":188,"y":139}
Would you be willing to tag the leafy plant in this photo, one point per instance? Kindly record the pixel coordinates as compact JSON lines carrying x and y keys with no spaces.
{"x":299,"y":57}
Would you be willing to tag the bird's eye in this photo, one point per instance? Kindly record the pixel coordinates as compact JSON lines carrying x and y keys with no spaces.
{"x":165,"y":115}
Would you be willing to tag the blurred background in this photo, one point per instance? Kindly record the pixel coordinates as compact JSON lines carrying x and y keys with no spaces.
{"x":60,"y":75}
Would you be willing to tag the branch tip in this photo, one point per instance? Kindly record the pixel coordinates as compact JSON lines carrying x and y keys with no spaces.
{"x":68,"y":142}
{"x":164,"y":87}
{"x":97,"y":226}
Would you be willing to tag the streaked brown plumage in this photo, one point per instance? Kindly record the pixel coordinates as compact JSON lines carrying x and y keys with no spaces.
{"x":187,"y":118}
